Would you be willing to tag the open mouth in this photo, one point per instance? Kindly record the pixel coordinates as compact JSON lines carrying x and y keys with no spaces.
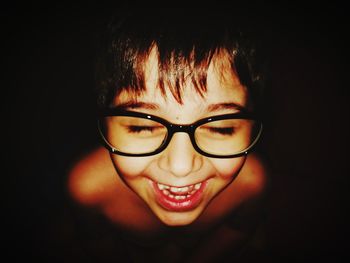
{"x":179,"y":198}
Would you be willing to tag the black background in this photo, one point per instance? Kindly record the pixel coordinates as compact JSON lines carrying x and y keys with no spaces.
{"x":48,"y":109}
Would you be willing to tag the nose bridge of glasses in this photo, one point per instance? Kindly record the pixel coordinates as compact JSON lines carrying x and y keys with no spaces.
{"x":181,"y":128}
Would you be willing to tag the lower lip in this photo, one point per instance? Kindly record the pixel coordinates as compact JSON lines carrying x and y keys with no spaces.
{"x":172,"y":204}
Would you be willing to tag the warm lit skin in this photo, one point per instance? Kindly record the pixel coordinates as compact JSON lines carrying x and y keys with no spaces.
{"x":121,"y":189}
{"x":179,"y":164}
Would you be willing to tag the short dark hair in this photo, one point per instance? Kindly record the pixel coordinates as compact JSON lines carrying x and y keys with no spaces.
{"x":183,"y":40}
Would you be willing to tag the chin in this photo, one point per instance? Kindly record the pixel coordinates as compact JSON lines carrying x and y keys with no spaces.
{"x":177,"y":220}
{"x":171,"y":218}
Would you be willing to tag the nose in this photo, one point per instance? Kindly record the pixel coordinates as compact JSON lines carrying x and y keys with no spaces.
{"x":180,"y":158}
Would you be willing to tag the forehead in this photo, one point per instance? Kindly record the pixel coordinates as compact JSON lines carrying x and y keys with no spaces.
{"x":222,"y":85}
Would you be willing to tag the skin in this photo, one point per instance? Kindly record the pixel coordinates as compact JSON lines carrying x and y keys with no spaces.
{"x":113,"y":183}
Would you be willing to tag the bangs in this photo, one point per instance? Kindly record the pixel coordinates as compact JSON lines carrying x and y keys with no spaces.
{"x":174,"y":68}
{"x":184,"y":51}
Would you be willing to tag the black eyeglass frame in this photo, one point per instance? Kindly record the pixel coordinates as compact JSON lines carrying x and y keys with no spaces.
{"x":173,"y":128}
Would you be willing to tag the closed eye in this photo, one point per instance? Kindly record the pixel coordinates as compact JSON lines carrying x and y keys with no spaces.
{"x":222,"y":131}
{"x":138,"y":129}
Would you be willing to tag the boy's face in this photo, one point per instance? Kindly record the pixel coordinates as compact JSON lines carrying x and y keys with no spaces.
{"x":179,"y":168}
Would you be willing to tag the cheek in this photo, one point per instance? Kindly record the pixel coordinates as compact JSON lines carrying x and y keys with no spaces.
{"x":130,"y":167}
{"x":228,"y":168}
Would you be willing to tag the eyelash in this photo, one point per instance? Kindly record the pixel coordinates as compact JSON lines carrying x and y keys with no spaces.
{"x":138,"y":129}
{"x":222,"y":131}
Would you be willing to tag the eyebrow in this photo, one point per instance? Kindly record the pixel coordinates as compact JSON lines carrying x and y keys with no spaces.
{"x":225,"y":106}
{"x":137,"y":105}
{"x":153,"y":106}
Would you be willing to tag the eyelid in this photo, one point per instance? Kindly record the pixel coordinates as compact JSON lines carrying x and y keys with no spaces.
{"x":153,"y":126}
{"x":220,"y":130}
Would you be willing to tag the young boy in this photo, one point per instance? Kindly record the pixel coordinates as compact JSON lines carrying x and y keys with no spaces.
{"x":179,"y":97}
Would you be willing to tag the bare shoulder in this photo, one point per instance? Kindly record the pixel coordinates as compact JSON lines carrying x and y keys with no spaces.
{"x":92,"y":178}
{"x":93,"y":182}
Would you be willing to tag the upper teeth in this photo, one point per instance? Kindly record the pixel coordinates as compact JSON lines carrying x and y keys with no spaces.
{"x":162,"y":186}
{"x":179,"y":189}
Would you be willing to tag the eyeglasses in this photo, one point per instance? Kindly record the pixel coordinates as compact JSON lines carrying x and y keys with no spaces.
{"x":130,"y":133}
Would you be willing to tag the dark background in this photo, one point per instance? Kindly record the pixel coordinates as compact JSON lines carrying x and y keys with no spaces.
{"x":48,"y":109}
